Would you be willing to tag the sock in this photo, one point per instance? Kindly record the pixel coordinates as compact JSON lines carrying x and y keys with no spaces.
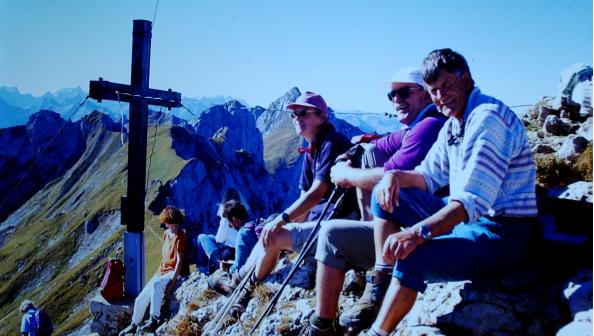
{"x":387,"y":268}
{"x":319,"y":322}
{"x":376,"y":331}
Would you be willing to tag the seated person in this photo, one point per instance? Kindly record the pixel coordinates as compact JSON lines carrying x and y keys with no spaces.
{"x":285,"y":232}
{"x":402,"y":149}
{"x":219,"y":247}
{"x":173,"y":266}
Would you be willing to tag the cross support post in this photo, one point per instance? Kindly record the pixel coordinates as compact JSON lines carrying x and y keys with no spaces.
{"x":139,"y":96}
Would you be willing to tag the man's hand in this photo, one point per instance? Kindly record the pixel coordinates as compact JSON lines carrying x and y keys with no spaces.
{"x":343,"y":157}
{"x":388,"y":189}
{"x":269,"y":229}
{"x":170,"y":286}
{"x":339,"y":174}
{"x":400,"y":244}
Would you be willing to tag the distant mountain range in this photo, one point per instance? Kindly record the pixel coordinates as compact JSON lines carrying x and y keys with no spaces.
{"x":370,"y":122}
{"x":16,"y":107}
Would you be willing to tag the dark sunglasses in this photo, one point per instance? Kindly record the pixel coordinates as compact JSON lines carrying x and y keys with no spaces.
{"x":300,"y":113}
{"x":403,"y":92}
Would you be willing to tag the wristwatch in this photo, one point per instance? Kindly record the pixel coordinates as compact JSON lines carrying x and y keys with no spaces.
{"x":285,"y":217}
{"x":425,"y":232}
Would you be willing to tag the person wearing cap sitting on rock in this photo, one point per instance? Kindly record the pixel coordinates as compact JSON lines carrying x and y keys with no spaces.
{"x":402,"y":149}
{"x":173,"y":265}
{"x":346,"y":243}
{"x":486,"y":226}
{"x":287,"y":232}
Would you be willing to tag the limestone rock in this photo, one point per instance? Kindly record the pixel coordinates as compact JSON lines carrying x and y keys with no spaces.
{"x":572,"y":147}
{"x":568,"y":126}
{"x":579,"y":191}
{"x":109,"y":318}
{"x":419,"y":331}
{"x":354,"y":282}
{"x":233,"y":125}
{"x":479,"y":308}
{"x":542,"y":149}
{"x":545,"y":112}
{"x":570,"y":109}
{"x":551,"y":125}
{"x":585,"y":129}
{"x":580,"y":326}
{"x":304,"y":277}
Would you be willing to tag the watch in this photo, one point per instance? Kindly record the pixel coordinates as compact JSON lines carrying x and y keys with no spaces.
{"x":425,"y":232}
{"x":285,"y":217}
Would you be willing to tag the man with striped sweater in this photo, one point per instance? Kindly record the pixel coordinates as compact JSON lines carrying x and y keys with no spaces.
{"x":482,"y":152}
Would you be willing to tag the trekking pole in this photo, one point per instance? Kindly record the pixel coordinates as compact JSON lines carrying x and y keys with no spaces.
{"x":220,"y":316}
{"x":308,"y":244}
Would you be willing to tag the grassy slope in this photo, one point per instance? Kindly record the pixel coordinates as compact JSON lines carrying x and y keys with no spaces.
{"x":46,"y":240}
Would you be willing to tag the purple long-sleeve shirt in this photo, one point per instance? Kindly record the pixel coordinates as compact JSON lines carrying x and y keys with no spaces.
{"x":407,"y":147}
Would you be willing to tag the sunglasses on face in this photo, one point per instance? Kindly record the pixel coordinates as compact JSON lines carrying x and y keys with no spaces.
{"x":403,"y":92}
{"x":300,"y":113}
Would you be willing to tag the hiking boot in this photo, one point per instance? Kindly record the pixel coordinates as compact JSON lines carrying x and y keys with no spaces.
{"x":131,"y":329}
{"x":311,"y":330}
{"x":150,"y":325}
{"x":362,"y":314}
{"x":244,"y":298}
{"x":223,"y":282}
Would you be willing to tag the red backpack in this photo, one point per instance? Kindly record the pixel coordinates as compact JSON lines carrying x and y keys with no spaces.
{"x":112,"y":285}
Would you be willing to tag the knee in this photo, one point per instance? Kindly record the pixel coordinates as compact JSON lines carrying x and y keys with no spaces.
{"x":274,"y":242}
{"x":330,"y":233}
{"x":368,"y":159}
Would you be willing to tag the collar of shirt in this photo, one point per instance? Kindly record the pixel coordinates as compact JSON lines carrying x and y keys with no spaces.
{"x":322,"y":133}
{"x":456,"y":129}
{"x":424,"y":113}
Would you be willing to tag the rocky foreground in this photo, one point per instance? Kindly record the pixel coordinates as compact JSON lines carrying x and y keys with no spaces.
{"x":531,"y":301}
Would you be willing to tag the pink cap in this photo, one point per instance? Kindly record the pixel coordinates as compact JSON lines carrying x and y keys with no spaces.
{"x":310,"y":99}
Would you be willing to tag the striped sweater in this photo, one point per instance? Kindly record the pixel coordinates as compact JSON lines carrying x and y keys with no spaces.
{"x":485,"y":159}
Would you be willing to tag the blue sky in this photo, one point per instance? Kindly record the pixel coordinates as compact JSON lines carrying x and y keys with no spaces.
{"x":257,"y":50}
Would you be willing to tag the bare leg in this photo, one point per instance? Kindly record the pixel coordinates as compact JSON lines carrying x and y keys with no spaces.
{"x":398,"y":301}
{"x":363,"y":199}
{"x":257,"y":251}
{"x":267,"y":260}
{"x":328,"y":286}
{"x":381,"y":230}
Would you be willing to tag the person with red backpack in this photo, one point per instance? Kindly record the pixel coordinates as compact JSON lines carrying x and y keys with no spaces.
{"x":173,"y":265}
{"x":36,"y":321}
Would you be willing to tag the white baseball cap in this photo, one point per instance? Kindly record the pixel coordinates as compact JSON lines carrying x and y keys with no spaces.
{"x":408,"y":75}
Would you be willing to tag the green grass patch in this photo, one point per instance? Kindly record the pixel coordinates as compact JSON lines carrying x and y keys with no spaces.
{"x":47,"y":238}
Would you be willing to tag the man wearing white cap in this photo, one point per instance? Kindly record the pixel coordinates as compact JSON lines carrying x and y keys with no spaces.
{"x":344,"y":243}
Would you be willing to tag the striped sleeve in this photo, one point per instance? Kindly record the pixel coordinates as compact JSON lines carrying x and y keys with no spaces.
{"x":486,"y":156}
{"x":435,"y":168}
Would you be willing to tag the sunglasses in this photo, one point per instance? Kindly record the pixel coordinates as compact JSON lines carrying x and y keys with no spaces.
{"x":403,"y":92}
{"x":300,"y":113}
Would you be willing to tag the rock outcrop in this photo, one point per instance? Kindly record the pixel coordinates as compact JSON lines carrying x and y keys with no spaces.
{"x":34,"y":154}
{"x":519,"y":303}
